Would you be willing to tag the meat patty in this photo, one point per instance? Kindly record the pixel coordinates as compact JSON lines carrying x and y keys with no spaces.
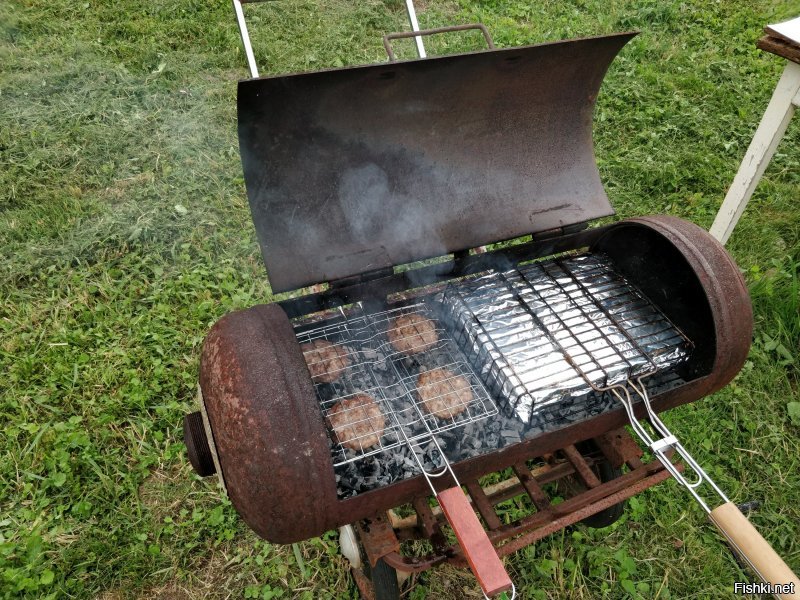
{"x":357,"y":422}
{"x":412,"y":333}
{"x":443,"y":393}
{"x":325,"y":360}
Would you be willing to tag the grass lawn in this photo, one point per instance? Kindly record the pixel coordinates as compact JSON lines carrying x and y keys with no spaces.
{"x":125,"y":234}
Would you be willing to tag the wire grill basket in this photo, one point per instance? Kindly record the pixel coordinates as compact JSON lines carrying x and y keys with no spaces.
{"x":389,"y":378}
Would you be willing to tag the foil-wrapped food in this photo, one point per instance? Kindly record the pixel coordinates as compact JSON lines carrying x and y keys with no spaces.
{"x":559,"y":328}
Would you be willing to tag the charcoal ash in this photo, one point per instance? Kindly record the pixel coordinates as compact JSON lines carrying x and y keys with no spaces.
{"x":476,"y":439}
{"x":384,"y":468}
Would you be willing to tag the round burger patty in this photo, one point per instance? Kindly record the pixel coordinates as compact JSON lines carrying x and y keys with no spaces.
{"x":357,"y":422}
{"x":412,"y":333}
{"x":325,"y":360}
{"x":443,"y":393}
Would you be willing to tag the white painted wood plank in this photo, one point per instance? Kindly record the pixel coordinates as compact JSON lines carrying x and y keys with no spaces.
{"x":769,"y":133}
{"x":788,"y":30}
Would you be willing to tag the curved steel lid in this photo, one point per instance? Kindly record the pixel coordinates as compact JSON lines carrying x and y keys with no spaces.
{"x":357,"y":169}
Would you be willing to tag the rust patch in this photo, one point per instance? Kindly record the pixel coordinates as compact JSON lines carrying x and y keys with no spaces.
{"x":619,"y":448}
{"x":378,"y":537}
{"x":268,"y":429}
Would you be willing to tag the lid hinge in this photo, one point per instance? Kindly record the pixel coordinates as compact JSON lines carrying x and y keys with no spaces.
{"x":361,"y":278}
{"x":558,"y":232}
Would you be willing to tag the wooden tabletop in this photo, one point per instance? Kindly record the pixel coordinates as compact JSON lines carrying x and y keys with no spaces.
{"x":780,"y":47}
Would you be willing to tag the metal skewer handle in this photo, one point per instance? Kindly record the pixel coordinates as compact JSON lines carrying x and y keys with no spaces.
{"x":740,"y":533}
{"x":475,"y":543}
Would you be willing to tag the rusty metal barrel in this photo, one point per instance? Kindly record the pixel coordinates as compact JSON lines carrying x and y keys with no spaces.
{"x":271,"y":442}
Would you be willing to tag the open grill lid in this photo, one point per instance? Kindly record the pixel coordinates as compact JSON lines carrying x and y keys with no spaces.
{"x":358,"y":169}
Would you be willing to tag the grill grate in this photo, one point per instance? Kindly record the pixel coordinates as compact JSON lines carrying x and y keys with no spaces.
{"x":543,"y":340}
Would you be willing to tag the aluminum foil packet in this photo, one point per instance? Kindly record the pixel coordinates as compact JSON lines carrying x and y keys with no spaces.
{"x":549,"y":330}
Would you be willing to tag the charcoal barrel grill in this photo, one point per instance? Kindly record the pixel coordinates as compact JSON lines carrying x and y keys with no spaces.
{"x":426,"y":365}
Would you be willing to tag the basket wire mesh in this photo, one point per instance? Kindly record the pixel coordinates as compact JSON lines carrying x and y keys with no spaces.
{"x":405,"y":362}
{"x":523,"y":338}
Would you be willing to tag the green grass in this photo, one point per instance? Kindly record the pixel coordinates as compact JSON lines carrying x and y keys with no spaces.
{"x":125,"y":234}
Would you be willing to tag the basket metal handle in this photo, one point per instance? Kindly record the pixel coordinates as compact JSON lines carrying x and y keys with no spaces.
{"x":418,"y":34}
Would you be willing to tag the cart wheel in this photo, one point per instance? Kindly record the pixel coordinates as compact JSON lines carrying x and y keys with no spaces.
{"x":376,"y":583}
{"x":605,"y":472}
{"x":379,"y":583}
{"x":384,"y":581}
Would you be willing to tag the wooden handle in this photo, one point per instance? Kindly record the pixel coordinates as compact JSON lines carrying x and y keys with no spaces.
{"x":472,"y":538}
{"x":755,"y":549}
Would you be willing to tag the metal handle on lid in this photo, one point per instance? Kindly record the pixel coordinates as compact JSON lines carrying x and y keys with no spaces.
{"x":417,"y":34}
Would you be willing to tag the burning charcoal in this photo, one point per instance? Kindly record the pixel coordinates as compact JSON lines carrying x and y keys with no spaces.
{"x":409,"y":464}
{"x":326,"y":391}
{"x":409,"y":363}
{"x":510,"y":436}
{"x":448,"y":438}
{"x":432,"y":458}
{"x":369,"y":354}
{"x":470,"y":442}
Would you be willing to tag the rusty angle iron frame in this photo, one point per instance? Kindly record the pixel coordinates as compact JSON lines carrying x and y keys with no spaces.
{"x":382,"y":534}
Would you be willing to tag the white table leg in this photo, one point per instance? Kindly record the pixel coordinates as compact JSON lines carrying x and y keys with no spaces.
{"x":769,"y":133}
